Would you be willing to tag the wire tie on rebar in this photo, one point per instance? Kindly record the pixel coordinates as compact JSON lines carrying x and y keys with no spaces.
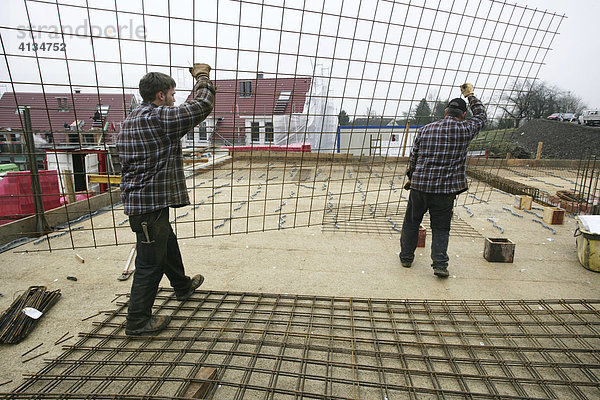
{"x":225,"y":220}
{"x":545,"y":226}
{"x":533,"y":213}
{"x":214,"y":194}
{"x":185,"y":214}
{"x":478,"y":199}
{"x":468,"y":210}
{"x":495,"y":225}
{"x":512,"y":212}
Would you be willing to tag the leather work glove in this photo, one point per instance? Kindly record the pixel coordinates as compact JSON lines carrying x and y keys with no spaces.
{"x":200,"y":69}
{"x":466,"y":89}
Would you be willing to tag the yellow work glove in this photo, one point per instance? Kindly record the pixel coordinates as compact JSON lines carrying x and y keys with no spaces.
{"x":466,"y":89}
{"x":200,"y":69}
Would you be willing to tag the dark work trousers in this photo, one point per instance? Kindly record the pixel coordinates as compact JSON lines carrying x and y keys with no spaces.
{"x":440,"y":208}
{"x":160,"y":256}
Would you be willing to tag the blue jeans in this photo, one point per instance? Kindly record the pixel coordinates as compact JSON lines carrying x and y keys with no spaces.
{"x":440,"y":208}
{"x":160,"y":256}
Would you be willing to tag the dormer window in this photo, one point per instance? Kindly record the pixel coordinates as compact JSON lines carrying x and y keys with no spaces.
{"x":62,"y":104}
{"x":246,"y":89}
{"x":282,"y":102}
{"x":20,"y":109}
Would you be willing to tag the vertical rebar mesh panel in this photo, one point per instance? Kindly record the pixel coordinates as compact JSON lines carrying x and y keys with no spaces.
{"x":285,"y":71}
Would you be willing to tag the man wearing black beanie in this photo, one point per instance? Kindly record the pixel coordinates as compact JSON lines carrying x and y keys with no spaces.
{"x":437,"y":174}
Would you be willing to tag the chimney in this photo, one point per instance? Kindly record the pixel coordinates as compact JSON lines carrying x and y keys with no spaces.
{"x":260,"y":75}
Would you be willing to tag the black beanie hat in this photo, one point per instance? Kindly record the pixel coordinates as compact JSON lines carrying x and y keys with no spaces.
{"x":458,"y":103}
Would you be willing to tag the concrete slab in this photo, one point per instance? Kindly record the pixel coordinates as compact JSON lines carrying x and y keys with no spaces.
{"x":307,"y":260}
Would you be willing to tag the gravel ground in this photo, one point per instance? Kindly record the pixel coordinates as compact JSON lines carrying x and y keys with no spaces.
{"x":562,"y":140}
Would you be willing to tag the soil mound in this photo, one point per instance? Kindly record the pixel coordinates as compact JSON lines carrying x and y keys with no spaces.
{"x":562,"y":140}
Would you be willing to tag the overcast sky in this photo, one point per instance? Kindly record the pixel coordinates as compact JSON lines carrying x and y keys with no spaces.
{"x":574,"y":62}
{"x":396,"y":74}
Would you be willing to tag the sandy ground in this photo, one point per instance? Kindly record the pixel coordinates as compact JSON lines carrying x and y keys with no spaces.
{"x":304,"y":260}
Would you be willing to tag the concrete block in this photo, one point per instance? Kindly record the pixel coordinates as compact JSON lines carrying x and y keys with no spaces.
{"x":554,"y":215}
{"x":499,"y":250}
{"x":523,"y":202}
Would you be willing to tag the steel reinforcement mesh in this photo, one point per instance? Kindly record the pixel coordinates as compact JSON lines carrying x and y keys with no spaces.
{"x":274,"y":346}
{"x":287,"y":71}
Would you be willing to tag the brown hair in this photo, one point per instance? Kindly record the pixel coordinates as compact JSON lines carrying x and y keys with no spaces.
{"x":154,"y":82}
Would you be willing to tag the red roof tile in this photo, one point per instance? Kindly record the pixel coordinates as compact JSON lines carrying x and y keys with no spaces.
{"x":230,"y":105}
{"x":46,"y":115}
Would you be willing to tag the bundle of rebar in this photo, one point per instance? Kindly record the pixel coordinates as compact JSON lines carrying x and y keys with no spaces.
{"x":15,"y":324}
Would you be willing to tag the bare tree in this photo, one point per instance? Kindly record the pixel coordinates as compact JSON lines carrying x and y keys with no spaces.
{"x":529,"y":100}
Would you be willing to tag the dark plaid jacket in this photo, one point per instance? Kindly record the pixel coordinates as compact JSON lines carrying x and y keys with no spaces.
{"x":149,"y":145}
{"x":437,"y":162}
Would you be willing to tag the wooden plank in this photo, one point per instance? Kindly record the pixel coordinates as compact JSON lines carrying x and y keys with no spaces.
{"x":195,"y":160}
{"x":199,"y":390}
{"x":69,"y":185}
{"x":95,"y":178}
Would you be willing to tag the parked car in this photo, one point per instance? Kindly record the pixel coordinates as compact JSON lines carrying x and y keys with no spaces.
{"x":555,"y":116}
{"x":569,"y":117}
{"x":590,"y":117}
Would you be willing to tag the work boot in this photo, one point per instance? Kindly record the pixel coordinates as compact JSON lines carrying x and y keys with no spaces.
{"x":154,"y":325}
{"x":196,"y":282}
{"x":441,"y":272}
{"x":405,"y":264}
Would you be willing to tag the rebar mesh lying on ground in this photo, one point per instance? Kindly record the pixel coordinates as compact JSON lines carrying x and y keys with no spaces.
{"x":284,"y":346}
{"x":15,"y":324}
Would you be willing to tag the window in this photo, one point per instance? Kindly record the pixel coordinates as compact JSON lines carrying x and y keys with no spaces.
{"x":268,"y":132}
{"x":285,"y":96}
{"x":245,"y":89}
{"x":62,"y":104}
{"x":282,"y":101}
{"x":103,"y":109}
{"x":202,"y":135}
{"x":255,"y":132}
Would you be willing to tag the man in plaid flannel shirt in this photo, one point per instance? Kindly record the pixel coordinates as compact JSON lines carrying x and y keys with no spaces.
{"x":152,"y":180}
{"x":436,"y":175}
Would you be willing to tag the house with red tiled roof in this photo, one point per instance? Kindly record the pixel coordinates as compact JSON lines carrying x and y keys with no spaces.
{"x":244,"y":109}
{"x":62,"y":117}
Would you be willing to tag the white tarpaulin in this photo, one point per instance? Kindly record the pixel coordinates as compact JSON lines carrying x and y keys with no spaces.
{"x":317,"y":125}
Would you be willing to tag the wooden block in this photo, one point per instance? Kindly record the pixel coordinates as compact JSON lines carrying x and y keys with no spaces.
{"x":523,"y":202}
{"x":199,"y":390}
{"x":499,"y":250}
{"x":422,"y":236}
{"x":554,"y":215}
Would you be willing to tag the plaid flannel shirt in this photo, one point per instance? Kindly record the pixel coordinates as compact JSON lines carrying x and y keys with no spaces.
{"x":149,"y":146}
{"x":437,"y":162}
